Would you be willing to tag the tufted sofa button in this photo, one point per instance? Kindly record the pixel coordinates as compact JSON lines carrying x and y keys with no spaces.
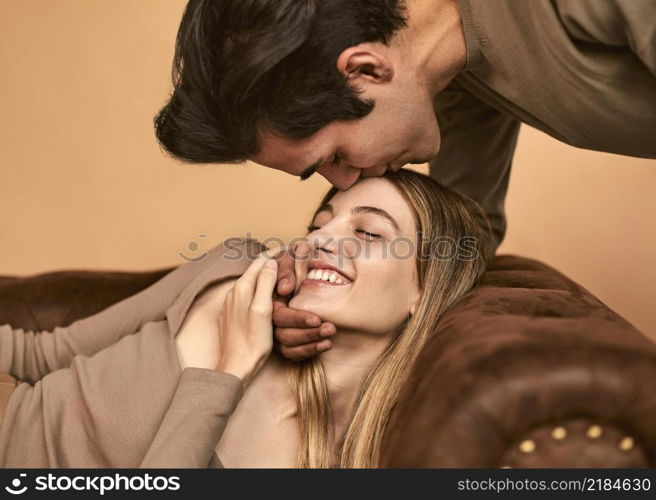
{"x":527,"y":446}
{"x":559,"y":433}
{"x":626,"y":443}
{"x":575,"y":443}
{"x":594,"y":431}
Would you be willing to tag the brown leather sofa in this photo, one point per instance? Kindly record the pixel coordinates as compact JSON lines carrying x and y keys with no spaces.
{"x":529,"y":370}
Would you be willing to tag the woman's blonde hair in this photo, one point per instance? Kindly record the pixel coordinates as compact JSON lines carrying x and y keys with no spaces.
{"x":441,"y":216}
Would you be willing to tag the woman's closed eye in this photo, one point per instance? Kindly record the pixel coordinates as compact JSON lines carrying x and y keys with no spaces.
{"x":366,"y":234}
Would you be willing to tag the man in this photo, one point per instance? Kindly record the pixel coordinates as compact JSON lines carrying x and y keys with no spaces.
{"x":354,"y":88}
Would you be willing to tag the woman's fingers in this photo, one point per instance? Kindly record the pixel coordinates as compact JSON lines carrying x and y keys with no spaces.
{"x":286,"y":268}
{"x":266,"y":282}
{"x":245,"y":285}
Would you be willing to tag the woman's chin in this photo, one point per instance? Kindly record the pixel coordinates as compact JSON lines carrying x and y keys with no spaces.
{"x":302,"y":303}
{"x":305,"y":302}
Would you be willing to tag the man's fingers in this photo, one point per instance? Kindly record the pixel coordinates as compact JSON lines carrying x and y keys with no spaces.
{"x":293,"y":337}
{"x":304,"y":352}
{"x":286,"y":272}
{"x":285,"y":317}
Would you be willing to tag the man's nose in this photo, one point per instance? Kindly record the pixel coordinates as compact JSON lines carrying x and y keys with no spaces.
{"x":343,"y":177}
{"x":374,"y":171}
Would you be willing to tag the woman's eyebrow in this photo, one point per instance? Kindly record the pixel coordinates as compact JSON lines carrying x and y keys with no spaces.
{"x":377,"y":211}
{"x":364,"y":210}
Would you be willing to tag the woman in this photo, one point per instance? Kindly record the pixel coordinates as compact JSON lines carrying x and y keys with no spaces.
{"x":187,"y":388}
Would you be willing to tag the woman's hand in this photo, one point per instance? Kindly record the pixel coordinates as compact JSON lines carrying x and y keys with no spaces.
{"x":245,"y":321}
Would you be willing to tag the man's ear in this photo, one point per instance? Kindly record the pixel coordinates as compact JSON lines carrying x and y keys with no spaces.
{"x":366,"y":63}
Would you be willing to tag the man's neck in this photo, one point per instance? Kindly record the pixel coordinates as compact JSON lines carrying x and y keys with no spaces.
{"x":434,"y":41}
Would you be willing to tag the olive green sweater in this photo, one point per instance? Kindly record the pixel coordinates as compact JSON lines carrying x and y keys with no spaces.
{"x":582,"y":71}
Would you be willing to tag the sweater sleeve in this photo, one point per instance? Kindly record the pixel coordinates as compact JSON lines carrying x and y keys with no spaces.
{"x":478,"y":144}
{"x":29,"y":355}
{"x":129,"y":404}
{"x":618,"y":23}
{"x":203,"y":401}
{"x":195,"y":420}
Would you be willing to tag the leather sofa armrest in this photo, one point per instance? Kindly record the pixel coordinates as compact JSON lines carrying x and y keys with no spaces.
{"x":528,"y":370}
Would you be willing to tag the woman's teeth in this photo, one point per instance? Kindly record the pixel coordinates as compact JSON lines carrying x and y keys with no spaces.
{"x":326,"y":275}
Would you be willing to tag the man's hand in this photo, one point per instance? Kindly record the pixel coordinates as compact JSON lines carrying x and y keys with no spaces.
{"x":299,"y":334}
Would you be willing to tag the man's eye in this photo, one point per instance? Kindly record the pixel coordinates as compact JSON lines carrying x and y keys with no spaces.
{"x":367,"y":234}
{"x":335,"y":159}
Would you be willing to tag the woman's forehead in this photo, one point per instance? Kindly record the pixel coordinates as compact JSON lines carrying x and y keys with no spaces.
{"x":380,"y":193}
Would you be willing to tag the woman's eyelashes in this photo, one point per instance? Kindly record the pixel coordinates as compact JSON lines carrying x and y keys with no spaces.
{"x":368,"y":235}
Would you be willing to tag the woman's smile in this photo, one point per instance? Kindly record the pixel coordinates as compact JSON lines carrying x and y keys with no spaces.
{"x":324,"y":273}
{"x":325,"y":277}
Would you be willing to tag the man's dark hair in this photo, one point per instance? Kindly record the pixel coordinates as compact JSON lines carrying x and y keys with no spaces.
{"x":246,"y":65}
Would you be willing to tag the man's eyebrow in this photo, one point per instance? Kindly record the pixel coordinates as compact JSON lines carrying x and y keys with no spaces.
{"x":364,"y":210}
{"x":311,"y":170}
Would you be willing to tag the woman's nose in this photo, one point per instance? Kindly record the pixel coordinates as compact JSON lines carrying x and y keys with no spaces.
{"x":322,"y":241}
{"x":325,"y":238}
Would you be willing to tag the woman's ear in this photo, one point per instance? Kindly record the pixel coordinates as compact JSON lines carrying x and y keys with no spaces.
{"x":366,"y":62}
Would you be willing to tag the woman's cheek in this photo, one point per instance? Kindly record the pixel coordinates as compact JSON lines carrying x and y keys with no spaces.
{"x":395,"y":291}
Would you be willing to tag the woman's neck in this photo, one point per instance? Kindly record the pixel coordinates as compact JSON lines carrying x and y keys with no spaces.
{"x":346,"y":366}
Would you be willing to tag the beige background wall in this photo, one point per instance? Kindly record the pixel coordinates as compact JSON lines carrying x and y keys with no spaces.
{"x":83,"y":184}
